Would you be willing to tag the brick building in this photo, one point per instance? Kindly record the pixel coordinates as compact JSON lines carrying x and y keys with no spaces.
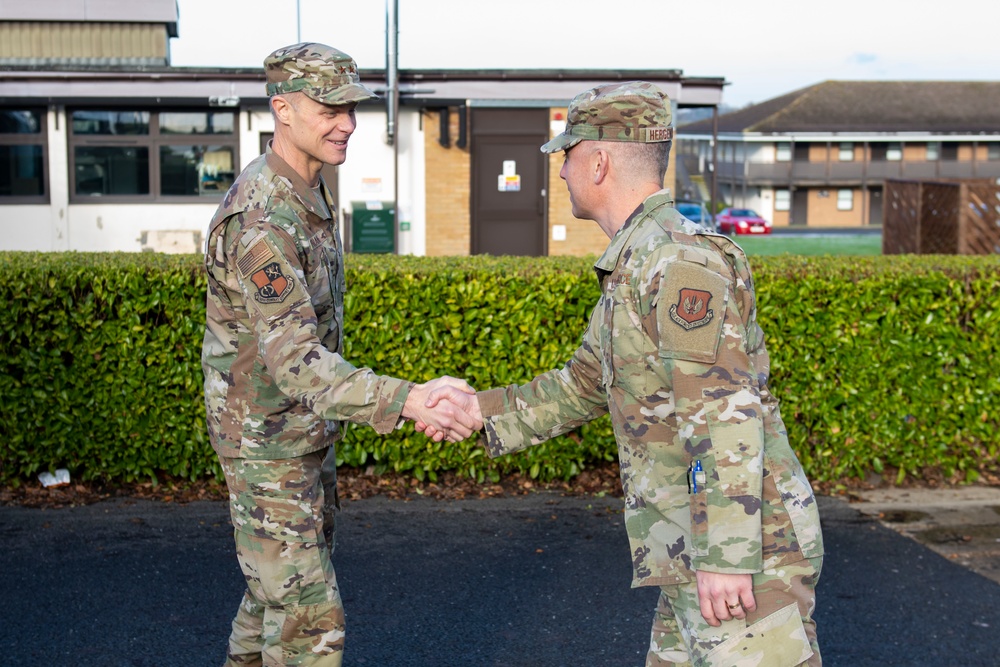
{"x":105,"y":146}
{"x":819,"y":156}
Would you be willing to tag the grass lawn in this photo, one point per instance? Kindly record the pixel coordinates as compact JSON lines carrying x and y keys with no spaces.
{"x":779,"y":244}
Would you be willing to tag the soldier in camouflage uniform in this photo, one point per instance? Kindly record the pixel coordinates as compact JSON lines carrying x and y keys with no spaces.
{"x":277,"y":389}
{"x":718,"y":511}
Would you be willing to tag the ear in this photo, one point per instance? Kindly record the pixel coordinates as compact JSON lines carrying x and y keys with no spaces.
{"x":281,"y":109}
{"x":601,"y":165}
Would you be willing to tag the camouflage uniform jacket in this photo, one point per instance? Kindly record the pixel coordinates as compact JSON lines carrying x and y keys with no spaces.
{"x":674,"y":352}
{"x":276,"y":385}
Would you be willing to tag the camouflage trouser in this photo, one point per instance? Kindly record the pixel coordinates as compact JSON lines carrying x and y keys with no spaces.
{"x":283,"y":513}
{"x":780,"y":633}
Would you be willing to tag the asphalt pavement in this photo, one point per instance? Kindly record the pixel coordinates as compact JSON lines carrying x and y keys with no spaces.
{"x":528,"y":581}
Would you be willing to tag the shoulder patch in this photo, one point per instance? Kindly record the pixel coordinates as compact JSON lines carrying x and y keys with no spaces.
{"x":256,"y":255}
{"x":691,"y":310}
{"x":273,"y":286}
{"x":270,"y":279}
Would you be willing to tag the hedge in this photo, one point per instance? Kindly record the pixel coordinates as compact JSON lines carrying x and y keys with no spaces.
{"x":880,"y":363}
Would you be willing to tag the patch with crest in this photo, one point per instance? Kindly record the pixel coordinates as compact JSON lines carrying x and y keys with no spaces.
{"x":691,"y":310}
{"x":273,"y":286}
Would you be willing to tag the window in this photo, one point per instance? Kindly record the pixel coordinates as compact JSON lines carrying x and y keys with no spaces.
{"x":782,"y":200}
{"x":845,"y":200}
{"x":894,"y":151}
{"x":933,"y":151}
{"x":846,"y":153}
{"x":23,"y":142}
{"x":993,"y":151}
{"x":783,"y":151}
{"x":137,"y":155}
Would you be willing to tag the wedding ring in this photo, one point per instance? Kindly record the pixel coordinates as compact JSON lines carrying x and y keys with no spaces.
{"x":733,"y":606}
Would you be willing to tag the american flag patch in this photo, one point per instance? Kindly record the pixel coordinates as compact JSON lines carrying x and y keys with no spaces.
{"x":256,"y":255}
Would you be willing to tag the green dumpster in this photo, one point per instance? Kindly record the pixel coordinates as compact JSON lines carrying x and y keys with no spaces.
{"x":373,"y":227}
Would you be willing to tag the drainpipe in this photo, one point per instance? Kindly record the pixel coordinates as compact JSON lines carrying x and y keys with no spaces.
{"x":715,"y":159}
{"x":391,"y":72}
{"x":392,"y":104}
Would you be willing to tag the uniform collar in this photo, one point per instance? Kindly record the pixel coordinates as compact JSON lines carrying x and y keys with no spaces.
{"x":609,"y":260}
{"x":300,"y":189}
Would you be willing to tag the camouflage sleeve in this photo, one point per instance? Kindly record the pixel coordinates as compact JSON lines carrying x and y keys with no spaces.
{"x":516,"y":417}
{"x":284,"y":321}
{"x":702,"y":341}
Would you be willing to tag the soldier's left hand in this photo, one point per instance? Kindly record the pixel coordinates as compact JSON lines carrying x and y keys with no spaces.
{"x":723,"y":597}
{"x":444,"y":419}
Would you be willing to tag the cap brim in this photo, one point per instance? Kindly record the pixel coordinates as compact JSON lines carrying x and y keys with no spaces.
{"x":352,"y":92}
{"x":560,"y":142}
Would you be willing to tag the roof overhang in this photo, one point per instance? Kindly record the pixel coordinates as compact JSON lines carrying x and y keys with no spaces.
{"x":167,"y":86}
{"x":102,"y":11}
{"x":854,"y":137}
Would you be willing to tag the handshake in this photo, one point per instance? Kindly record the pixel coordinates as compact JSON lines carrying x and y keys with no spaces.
{"x":444,"y":408}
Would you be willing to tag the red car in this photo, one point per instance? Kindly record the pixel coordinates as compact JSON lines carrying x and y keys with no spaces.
{"x":741,"y":221}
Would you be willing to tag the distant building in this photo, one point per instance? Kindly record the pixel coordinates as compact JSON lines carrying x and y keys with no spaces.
{"x":819,"y":156}
{"x":105,"y":146}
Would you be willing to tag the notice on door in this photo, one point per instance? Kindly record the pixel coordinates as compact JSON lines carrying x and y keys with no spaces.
{"x":509,"y":180}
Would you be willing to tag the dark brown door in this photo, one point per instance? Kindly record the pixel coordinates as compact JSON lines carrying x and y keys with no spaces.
{"x":509,"y":178}
{"x":800,"y":208}
{"x":875,"y":206}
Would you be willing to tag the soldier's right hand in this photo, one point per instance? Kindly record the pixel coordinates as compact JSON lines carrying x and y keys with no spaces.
{"x":453,"y":415}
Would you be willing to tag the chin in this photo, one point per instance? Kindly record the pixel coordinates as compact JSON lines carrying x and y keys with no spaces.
{"x":336,"y":158}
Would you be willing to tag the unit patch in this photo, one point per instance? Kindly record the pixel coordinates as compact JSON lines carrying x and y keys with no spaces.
{"x":691,"y":310}
{"x":272,"y":285}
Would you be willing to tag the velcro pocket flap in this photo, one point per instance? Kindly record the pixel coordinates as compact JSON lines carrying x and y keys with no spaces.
{"x":274,"y":518}
{"x":777,"y":640}
{"x":691,"y":311}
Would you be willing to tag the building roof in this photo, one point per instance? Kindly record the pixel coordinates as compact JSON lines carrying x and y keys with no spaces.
{"x":183,"y":86}
{"x":83,"y":11}
{"x":941,"y":107}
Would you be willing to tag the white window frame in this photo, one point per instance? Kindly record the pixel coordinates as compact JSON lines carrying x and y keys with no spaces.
{"x":933,"y":151}
{"x":783,"y":200}
{"x":893,"y":151}
{"x":846,"y":152}
{"x":845,"y":199}
{"x":783,"y":151}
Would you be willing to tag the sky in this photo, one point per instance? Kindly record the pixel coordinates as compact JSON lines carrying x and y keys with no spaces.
{"x":763,"y":49}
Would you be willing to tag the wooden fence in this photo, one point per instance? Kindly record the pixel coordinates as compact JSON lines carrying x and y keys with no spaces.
{"x":941,"y":217}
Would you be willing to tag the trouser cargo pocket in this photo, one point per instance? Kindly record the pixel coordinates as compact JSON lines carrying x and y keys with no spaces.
{"x":778,"y":640}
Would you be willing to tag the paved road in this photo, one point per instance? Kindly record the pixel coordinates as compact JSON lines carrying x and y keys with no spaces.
{"x":532,"y":581}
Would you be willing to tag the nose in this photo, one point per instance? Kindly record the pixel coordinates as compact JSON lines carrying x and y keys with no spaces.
{"x":562,"y":172}
{"x":347,"y":122}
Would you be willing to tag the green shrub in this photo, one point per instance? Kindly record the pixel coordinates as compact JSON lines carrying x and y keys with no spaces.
{"x":880,"y":362}
{"x":100,"y":366}
{"x":886,"y":361}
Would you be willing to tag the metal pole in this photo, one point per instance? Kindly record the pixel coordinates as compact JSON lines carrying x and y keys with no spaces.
{"x":298,"y":21}
{"x":392,"y":104}
{"x":715,"y":160}
{"x":391,"y":65}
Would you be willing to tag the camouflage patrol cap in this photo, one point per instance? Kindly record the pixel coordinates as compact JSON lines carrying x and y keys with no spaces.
{"x":630,"y":111}
{"x":320,"y":71}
